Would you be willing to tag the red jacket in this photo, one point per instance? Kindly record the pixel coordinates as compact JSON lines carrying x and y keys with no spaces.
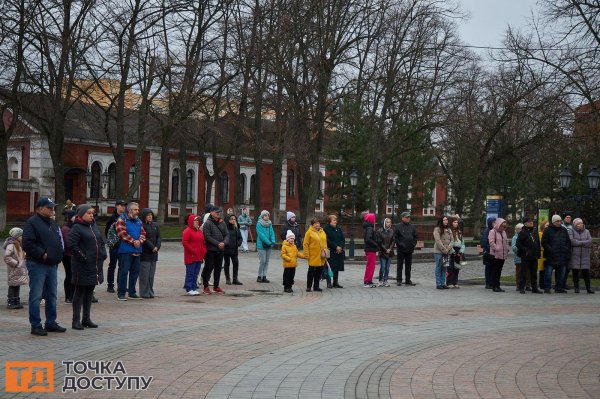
{"x":192,"y":240}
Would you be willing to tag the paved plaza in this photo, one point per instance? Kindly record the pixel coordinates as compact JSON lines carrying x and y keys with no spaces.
{"x":257,"y":342}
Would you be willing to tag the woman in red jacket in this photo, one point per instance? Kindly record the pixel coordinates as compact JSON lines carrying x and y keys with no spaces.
{"x":194,"y":250}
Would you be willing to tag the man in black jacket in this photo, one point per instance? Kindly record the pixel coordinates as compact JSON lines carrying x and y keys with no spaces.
{"x":44,"y":247}
{"x":405,"y":236}
{"x":215,"y":236}
{"x":113,"y":252}
{"x":557,"y":251}
{"x":528,"y":249}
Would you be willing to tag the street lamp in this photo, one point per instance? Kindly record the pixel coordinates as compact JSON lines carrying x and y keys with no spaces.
{"x":593,"y":178}
{"x":393,"y":191}
{"x":353,"y":181}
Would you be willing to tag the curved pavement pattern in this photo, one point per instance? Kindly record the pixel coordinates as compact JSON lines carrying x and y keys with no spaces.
{"x":398,"y":342}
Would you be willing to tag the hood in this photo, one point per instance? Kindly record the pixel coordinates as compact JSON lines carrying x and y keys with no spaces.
{"x":145,"y":212}
{"x":498,"y":222}
{"x":8,"y":241}
{"x":191,"y":219}
{"x":370,"y":217}
{"x":285,"y":243}
{"x":383,"y":224}
{"x":490,"y":223}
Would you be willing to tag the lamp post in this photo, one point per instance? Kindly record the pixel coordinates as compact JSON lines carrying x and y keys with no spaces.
{"x":104,"y":177}
{"x":393,"y":192}
{"x":353,"y":181}
{"x":593,"y":178}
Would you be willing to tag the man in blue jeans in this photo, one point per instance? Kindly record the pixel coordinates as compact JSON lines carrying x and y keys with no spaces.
{"x":132,"y":235}
{"x":43,"y":244}
{"x":113,"y":252}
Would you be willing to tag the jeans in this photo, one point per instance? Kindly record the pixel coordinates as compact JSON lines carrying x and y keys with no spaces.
{"x":112,"y":265}
{"x":42,"y":278}
{"x":406,"y":259}
{"x":147,"y":271}
{"x":384,"y":268}
{"x":560,"y":283}
{"x":128,"y":265}
{"x":263,"y":256}
{"x":244,"y":233}
{"x":192,"y":270}
{"x":440,"y":270}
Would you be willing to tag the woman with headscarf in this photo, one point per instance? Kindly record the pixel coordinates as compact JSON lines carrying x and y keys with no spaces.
{"x":385,"y":239}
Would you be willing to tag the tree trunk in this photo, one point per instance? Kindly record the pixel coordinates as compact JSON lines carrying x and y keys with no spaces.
{"x":3,"y":176}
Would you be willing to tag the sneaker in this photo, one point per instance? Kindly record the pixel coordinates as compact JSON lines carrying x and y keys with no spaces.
{"x":317,"y":289}
{"x":134,"y":296}
{"x":380,"y":284}
{"x":68,"y":300}
{"x":206,"y":291}
{"x":386,"y":284}
{"x":259,"y":279}
{"x":288,"y":290}
{"x":228,"y":281}
{"x":309,"y":290}
{"x":237,"y":282}
{"x":409,"y":283}
{"x":39,"y":330}
{"x":192,"y":293}
{"x":367,"y":285}
{"x":111,"y":290}
{"x":218,"y":290}
{"x":55,"y":328}
{"x":121,"y":298}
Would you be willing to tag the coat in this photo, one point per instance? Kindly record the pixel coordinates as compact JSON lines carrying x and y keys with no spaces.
{"x":581,"y":249}
{"x":312,"y":246}
{"x":192,"y":239}
{"x":16,"y":267}
{"x":442,"y":240}
{"x":42,"y":235}
{"x":87,"y":253}
{"x":371,"y":244}
{"x":499,"y":246}
{"x":215,"y":232}
{"x":265,"y":236}
{"x":234,"y":240}
{"x":295,"y":228}
{"x":335,"y":238}
{"x":557,"y":245}
{"x":385,"y":239}
{"x":290,"y":254}
{"x":405,"y":236}
{"x":528,"y":245}
{"x":152,"y":238}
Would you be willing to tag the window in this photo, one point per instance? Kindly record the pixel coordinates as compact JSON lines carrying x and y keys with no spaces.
{"x":13,"y":168}
{"x":175,"y":185}
{"x":112,"y":180}
{"x":189,"y":180}
{"x":224,"y":188}
{"x":321,"y":192}
{"x":291,"y":184}
{"x":95,"y":185}
{"x":243,"y":187}
{"x":131,"y":179}
{"x":252,"y":189}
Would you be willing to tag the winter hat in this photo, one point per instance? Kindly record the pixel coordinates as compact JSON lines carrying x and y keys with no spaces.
{"x":83,"y":209}
{"x":519,"y":226}
{"x":263,"y":213}
{"x":290,"y":215}
{"x":556,"y":218}
{"x":70,"y":214}
{"x":289,"y":234}
{"x":405,"y":214}
{"x":577,"y":221}
{"x":370,"y":217}
{"x":527,"y":220}
{"x":16,"y":232}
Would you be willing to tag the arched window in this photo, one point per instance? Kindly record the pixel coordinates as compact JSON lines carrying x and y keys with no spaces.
{"x":291,"y":184}
{"x":189,"y":180}
{"x":243,"y":184}
{"x":224,"y":188}
{"x":112,"y":181}
{"x":253,"y":189}
{"x":135,"y":193}
{"x":95,"y":185}
{"x":13,"y":168}
{"x":175,"y":185}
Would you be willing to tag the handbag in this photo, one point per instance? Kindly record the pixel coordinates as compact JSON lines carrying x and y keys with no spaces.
{"x":325,"y":252}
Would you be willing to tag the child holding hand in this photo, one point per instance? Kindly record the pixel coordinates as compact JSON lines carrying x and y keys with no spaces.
{"x":290,"y":255}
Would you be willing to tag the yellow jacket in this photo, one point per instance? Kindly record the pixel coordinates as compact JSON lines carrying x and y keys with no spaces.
{"x":312,"y":248}
{"x":541,"y":259}
{"x":290,"y":254}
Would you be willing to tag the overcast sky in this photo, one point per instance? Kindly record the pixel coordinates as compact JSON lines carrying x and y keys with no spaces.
{"x":490,"y":19}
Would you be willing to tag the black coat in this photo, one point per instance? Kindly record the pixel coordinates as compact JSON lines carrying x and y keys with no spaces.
{"x":405,"y":237}
{"x":557,"y":245}
{"x":152,"y":240}
{"x":295,"y":229}
{"x":215,"y":231}
{"x":234,"y":240}
{"x":371,"y":244}
{"x":87,"y":253}
{"x":335,"y":238}
{"x":42,"y":235}
{"x":528,"y":245}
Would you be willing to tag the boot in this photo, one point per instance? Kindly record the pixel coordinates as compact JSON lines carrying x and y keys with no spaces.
{"x":576,"y":284}
{"x":11,"y":303}
{"x":18,"y":303}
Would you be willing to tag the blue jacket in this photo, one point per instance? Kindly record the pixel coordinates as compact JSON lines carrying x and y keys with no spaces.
{"x":42,"y":235}
{"x":134,"y":230}
{"x":265,"y":236}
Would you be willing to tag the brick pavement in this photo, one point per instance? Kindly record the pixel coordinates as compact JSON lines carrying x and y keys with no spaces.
{"x":256,"y":342}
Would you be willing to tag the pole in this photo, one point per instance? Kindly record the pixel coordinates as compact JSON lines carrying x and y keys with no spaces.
{"x":351,"y":251}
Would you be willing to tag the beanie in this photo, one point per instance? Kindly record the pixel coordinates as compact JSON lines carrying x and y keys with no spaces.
{"x":577,"y":221}
{"x":263,"y":213}
{"x":289,"y":234}
{"x":16,"y":232}
{"x":556,"y":218}
{"x":83,"y":209}
{"x":290,"y":215}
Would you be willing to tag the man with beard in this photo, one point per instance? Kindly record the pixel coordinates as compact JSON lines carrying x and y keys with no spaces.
{"x":131,"y":235}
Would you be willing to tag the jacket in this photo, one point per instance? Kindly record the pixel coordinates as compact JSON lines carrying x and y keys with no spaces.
{"x":499,"y":247}
{"x":290,"y":254}
{"x":442,"y":240}
{"x":528,"y":245}
{"x":265,"y":236}
{"x":371,"y":244}
{"x":581,"y":248}
{"x":111,"y":220}
{"x":65,"y":231}
{"x":557,"y":245}
{"x":16,"y":268}
{"x":192,"y":239}
{"x":234,"y":241}
{"x":312,"y":246}
{"x":129,"y":230}
{"x":87,"y":253}
{"x":405,"y":236}
{"x":484,"y":239}
{"x":244,"y":221}
{"x":385,"y":239}
{"x":152,"y":238}
{"x":215,"y":232}
{"x":41,"y":235}
{"x":515,"y":250}
{"x":295,"y":228}
{"x":335,"y":238}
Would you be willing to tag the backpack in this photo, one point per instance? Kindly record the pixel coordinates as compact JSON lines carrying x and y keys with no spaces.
{"x":112,"y":239}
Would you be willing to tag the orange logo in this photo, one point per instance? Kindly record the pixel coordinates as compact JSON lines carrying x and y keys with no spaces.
{"x":29,"y":376}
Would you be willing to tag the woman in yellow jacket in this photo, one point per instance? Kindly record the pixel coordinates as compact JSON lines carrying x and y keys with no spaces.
{"x":315,"y":241}
{"x":290,"y":255}
{"x":541,"y":260}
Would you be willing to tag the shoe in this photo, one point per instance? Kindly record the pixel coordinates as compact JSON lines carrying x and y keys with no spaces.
{"x":439,"y":287}
{"x":527,"y":288}
{"x":308,"y":290}
{"x":218,"y":290}
{"x":380,"y":284}
{"x":561,"y":291}
{"x":409,"y":283}
{"x":236,"y":282}
{"x":55,"y":328}
{"x":76,"y":325}
{"x":536,"y":291}
{"x":317,"y":289}
{"x":488,"y":287}
{"x":228,"y":281}
{"x":288,"y":290}
{"x":589,"y":291}
{"x":192,"y":293}
{"x":39,"y":330}
{"x":386,"y":284}
{"x":547,"y":292}
{"x":329,"y":285}
{"x":445,"y":287}
{"x":259,"y":279}
{"x":522,"y":291}
{"x":568,"y":287}
{"x":134,"y":296}
{"x":398,"y":283}
{"x":264,"y":279}
{"x":337,"y":286}
{"x":456,"y":286}
{"x":94,"y":299}
{"x":121,"y":298}
{"x":367,"y":285}
{"x":206,"y":291}
{"x":111,"y":290}
{"x":68,"y":300}
{"x":497,"y":289}
{"x":89,"y":324}
{"x":577,"y":290}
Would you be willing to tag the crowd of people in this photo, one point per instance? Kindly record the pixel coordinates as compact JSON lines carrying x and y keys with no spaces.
{"x":211,"y":243}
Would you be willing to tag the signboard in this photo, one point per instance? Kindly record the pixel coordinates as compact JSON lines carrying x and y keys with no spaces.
{"x":493,"y":206}
{"x":543,"y":218}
